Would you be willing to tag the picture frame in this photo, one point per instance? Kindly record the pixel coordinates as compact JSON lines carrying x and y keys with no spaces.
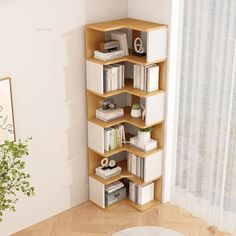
{"x":7,"y":124}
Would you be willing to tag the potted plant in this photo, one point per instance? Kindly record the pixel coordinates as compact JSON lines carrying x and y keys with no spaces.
{"x":13,"y":179}
{"x":136,"y":111}
{"x":144,"y":135}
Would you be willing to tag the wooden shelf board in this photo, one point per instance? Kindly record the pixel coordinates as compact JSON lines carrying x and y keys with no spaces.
{"x":128,"y":148}
{"x":130,"y":90}
{"x":129,"y":23}
{"x":144,"y":207}
{"x":124,"y":174}
{"x":127,"y":118}
{"x":129,"y":58}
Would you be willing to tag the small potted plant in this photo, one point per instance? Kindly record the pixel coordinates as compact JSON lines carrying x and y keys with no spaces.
{"x":136,"y":110}
{"x":144,"y":135}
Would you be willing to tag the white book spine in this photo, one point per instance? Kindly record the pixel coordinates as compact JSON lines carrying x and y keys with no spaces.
{"x":123,"y":76}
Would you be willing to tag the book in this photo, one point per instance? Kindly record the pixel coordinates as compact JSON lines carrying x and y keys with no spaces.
{"x":153,"y":78}
{"x":109,"y":114}
{"x":144,"y":146}
{"x":113,"y":137}
{"x":122,"y":38}
{"x":146,"y":78}
{"x":105,"y":56}
{"x":110,"y":188}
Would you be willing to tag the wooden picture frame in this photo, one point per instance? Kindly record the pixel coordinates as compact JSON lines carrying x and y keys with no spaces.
{"x":7,"y":125}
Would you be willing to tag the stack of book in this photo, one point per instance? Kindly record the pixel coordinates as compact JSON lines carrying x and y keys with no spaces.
{"x":113,"y":77}
{"x":141,"y":194}
{"x":109,"y":114}
{"x":146,"y":78}
{"x":135,"y":165}
{"x":106,"y":56}
{"x":110,"y":188}
{"x":107,"y":172}
{"x":144,"y":146}
{"x":114,"y":137}
{"x":122,"y":38}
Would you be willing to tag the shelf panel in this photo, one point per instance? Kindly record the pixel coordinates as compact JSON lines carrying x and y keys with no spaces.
{"x":144,"y":207}
{"x":129,"y":23}
{"x":127,"y":118}
{"x":129,"y":58}
{"x":130,"y":90}
{"x":124,"y":174}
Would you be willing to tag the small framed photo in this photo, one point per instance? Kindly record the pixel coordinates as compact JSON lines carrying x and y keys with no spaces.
{"x":7,"y":126}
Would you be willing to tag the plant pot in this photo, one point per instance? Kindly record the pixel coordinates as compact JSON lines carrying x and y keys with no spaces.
{"x":144,"y":136}
{"x":136,"y":113}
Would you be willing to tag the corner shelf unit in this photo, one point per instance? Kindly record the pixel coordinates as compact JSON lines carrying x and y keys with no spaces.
{"x":156,"y":50}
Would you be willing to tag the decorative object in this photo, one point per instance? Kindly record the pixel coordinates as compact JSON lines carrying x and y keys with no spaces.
{"x":13,"y":179}
{"x":108,"y":104}
{"x":109,"y":46}
{"x":136,"y":111}
{"x":7,"y":129}
{"x":138,"y":47}
{"x":144,"y":135}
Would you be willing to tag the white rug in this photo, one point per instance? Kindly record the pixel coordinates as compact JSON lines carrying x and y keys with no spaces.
{"x":147,"y":231}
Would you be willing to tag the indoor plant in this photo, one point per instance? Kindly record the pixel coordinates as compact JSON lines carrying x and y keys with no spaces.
{"x":13,"y":178}
{"x":136,"y":111}
{"x":144,"y":135}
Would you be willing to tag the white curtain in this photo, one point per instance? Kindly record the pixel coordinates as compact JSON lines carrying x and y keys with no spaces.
{"x":205,"y":179}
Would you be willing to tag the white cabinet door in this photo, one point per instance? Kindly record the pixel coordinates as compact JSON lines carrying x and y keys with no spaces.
{"x":155,"y":108}
{"x":94,"y":72}
{"x":96,"y":192}
{"x":156,"y":45}
{"x":95,"y":137}
{"x":153,"y":166}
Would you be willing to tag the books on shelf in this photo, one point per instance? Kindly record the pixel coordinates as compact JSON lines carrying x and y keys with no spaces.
{"x":107,"y":172}
{"x":135,"y":165}
{"x":146,"y":78}
{"x":122,"y":38}
{"x":144,"y":146}
{"x":106,"y":56}
{"x":141,"y":194}
{"x":110,"y":188}
{"x":109,"y":114}
{"x":114,"y":137}
{"x":113,"y":77}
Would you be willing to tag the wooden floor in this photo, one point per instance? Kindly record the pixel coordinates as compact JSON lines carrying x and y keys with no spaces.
{"x":89,"y":220}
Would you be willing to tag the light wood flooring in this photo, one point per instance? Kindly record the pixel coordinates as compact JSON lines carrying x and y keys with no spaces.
{"x":89,"y":220}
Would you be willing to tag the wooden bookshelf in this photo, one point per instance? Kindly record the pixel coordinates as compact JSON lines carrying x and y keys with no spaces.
{"x":154,"y":101}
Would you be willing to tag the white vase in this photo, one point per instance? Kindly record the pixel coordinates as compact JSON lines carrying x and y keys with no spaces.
{"x":144,"y":136}
{"x":136,"y":113}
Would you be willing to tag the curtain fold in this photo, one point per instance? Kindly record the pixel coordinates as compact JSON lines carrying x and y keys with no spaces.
{"x":205,"y":181}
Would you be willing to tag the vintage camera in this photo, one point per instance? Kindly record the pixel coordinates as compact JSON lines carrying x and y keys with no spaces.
{"x":108,"y":104}
{"x":109,"y":46}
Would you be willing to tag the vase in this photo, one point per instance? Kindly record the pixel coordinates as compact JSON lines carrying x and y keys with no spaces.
{"x":136,"y":113}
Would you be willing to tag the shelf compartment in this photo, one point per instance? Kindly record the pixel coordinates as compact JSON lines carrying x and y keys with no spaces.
{"x":128,"y":89}
{"x":127,"y":118}
{"x":134,"y":24}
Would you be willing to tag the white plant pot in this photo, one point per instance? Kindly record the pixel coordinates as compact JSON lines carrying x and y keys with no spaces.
{"x":144,"y":136}
{"x":136,"y":113}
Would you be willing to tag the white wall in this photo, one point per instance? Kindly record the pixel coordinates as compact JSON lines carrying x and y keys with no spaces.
{"x":161,"y":11}
{"x":42,"y":50}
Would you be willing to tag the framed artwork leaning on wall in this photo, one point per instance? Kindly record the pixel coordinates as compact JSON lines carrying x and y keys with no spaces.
{"x":7,"y":127}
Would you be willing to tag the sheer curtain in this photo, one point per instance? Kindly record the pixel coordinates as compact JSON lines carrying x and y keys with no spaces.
{"x":205,"y":180}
